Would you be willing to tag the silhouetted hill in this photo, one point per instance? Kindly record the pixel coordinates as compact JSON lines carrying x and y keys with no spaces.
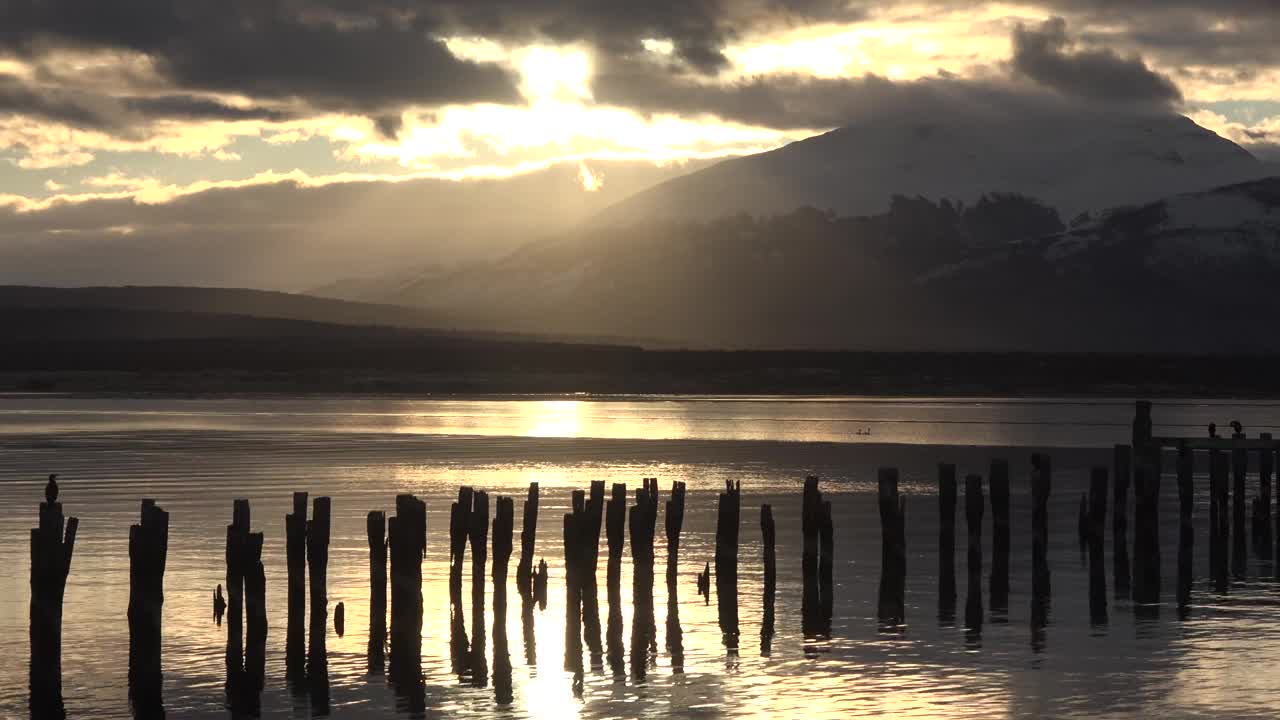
{"x":1189,"y":274}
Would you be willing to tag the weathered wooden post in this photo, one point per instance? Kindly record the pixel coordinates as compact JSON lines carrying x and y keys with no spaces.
{"x":1218,"y":521}
{"x":727,"y":523}
{"x":1262,"y":506}
{"x":826,"y":558}
{"x":1186,"y":528}
{"x":503,"y":526}
{"x":574,"y":522}
{"x":946,"y":543}
{"x":246,"y":591}
{"x":893,"y":558}
{"x":295,"y":534}
{"x":524,"y":572}
{"x":643,"y":522}
{"x":673,"y":523}
{"x":973,"y":510}
{"x":318,"y":571}
{"x":52,"y":546}
{"x":1097,"y":533}
{"x":528,"y":538}
{"x":810,"y":520}
{"x":1239,"y":544}
{"x":999,"y":486}
{"x":406,"y":546}
{"x":768,"y":535}
{"x":148,"y":550}
{"x":478,"y":533}
{"x":1041,"y":486}
{"x":615,"y":521}
{"x":459,"y":517}
{"x":1121,"y":462}
{"x":590,"y":539}
{"x":1142,"y":425}
{"x":376,"y":531}
{"x":1146,"y":541}
{"x":1082,"y":525}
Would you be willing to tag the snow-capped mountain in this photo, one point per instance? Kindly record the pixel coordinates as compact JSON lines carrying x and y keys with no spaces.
{"x":1075,"y":160}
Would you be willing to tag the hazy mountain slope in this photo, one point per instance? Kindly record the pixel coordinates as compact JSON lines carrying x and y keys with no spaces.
{"x":1075,"y":160}
{"x":1168,"y":276}
{"x":284,"y":236}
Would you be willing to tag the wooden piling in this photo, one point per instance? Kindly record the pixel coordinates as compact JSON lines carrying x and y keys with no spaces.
{"x":246,"y":593}
{"x":53,"y":542}
{"x":318,"y":572}
{"x":148,"y":550}
{"x":674,"y":522}
{"x":406,"y":547}
{"x":459,"y":517}
{"x":893,"y":559}
{"x":615,"y":521}
{"x":727,"y":523}
{"x":1146,"y":540}
{"x":768,"y":535}
{"x":642,"y":518}
{"x":973,"y":510}
{"x":1042,"y":474}
{"x":503,"y":527}
{"x":1121,"y":462}
{"x":478,"y":534}
{"x":295,"y":532}
{"x":1218,"y":521}
{"x":573,"y":532}
{"x":1082,"y":525}
{"x":812,"y":590}
{"x":376,"y":532}
{"x":590,"y":539}
{"x":1262,"y":505}
{"x":999,"y":486}
{"x":1239,"y":532}
{"x":528,"y":538}
{"x":946,"y":543}
{"x":1186,"y":527}
{"x":1097,"y":534}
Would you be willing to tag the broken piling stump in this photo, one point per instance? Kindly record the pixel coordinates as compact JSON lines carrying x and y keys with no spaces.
{"x":727,"y":523}
{"x":376,"y":533}
{"x":53,"y":542}
{"x":893,"y":554}
{"x":973,"y":510}
{"x":998,"y":483}
{"x":1186,"y":527}
{"x":1120,"y":465}
{"x":148,"y":550}
{"x":1097,"y":534}
{"x":946,"y":543}
{"x":615,"y":520}
{"x":768,"y":535}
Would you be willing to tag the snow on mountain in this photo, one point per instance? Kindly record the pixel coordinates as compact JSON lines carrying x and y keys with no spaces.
{"x":1074,"y":160}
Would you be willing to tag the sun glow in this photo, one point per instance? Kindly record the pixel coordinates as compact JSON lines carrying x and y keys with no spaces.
{"x":591,"y":181}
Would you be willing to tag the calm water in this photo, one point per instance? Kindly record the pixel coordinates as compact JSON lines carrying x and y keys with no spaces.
{"x":195,"y":456}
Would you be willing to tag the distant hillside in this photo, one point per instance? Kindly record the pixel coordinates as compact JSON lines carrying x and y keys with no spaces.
{"x":1071,"y":158}
{"x":1006,"y":273}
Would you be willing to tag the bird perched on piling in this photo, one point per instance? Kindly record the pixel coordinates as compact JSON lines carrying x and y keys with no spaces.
{"x":51,"y":489}
{"x":1235,"y":425}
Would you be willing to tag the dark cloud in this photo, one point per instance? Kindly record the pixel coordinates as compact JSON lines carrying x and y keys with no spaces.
{"x":1047,"y":55}
{"x":343,"y":55}
{"x":123,"y":116}
{"x":1046,"y":71}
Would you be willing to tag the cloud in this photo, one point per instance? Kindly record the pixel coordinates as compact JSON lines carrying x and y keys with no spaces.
{"x":334,"y":55}
{"x":1048,"y":56}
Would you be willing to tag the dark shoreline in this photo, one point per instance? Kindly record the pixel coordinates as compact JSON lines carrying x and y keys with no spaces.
{"x":628,"y":372}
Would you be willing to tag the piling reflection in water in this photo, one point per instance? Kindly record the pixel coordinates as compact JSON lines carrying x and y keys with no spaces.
{"x":406,"y":545}
{"x":946,"y":544}
{"x":615,"y":520}
{"x":503,"y":522}
{"x":973,"y":507}
{"x":246,"y":590}
{"x":148,"y":550}
{"x":318,"y":568}
{"x":643,"y":517}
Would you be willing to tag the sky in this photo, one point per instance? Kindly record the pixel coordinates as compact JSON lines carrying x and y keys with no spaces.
{"x":109,"y":110}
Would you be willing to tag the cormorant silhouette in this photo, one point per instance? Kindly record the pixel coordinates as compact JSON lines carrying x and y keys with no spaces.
{"x":1235,"y":425}
{"x":51,"y":489}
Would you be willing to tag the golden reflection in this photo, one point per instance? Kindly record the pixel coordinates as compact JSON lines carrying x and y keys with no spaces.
{"x":553,"y":418}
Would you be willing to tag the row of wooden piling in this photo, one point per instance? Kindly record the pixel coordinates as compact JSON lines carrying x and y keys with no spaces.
{"x":402,"y":540}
